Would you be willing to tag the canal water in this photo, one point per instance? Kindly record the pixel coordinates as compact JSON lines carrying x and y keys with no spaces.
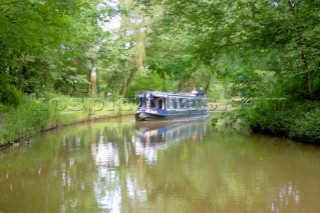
{"x":123,"y":166}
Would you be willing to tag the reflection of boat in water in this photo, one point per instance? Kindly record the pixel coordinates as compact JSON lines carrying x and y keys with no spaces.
{"x":153,"y":136}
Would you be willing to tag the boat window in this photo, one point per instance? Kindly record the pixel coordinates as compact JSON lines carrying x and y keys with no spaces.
{"x":193,"y":103}
{"x":164,"y":104}
{"x":181,"y":103}
{"x":178,"y":103}
{"x":198,"y":103}
{"x":184,"y":103}
{"x":148,"y":102}
{"x":159,"y":103}
{"x":171,"y":103}
{"x":201,"y":103}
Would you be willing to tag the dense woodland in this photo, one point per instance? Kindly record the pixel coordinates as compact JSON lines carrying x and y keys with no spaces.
{"x":263,"y":51}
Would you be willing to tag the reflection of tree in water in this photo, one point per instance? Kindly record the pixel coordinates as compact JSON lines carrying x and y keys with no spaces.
{"x":120,"y":181}
{"x":285,"y":195}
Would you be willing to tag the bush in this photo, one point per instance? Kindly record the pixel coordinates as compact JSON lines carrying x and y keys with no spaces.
{"x":9,"y":95}
{"x":295,"y":120}
{"x":307,"y":127}
{"x":25,"y":119}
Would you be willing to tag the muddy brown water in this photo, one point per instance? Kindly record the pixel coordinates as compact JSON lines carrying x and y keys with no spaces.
{"x":123,"y":166}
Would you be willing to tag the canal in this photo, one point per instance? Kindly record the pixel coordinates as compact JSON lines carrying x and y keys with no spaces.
{"x":123,"y":166}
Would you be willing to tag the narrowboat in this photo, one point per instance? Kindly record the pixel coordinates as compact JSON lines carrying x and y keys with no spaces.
{"x":156,"y":105}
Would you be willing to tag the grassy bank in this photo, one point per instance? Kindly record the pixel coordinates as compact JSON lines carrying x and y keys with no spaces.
{"x":296,"y":120}
{"x":36,"y":115}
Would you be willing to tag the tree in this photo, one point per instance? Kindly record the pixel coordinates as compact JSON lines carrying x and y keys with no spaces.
{"x":47,"y":44}
{"x":134,"y":26}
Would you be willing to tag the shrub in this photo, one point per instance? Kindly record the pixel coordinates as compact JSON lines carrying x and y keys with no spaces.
{"x":296,"y":120}
{"x":9,"y":95}
{"x":307,"y":127}
{"x":25,"y":119}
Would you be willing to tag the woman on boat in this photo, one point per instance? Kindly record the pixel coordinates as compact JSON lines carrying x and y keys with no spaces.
{"x":194,"y":91}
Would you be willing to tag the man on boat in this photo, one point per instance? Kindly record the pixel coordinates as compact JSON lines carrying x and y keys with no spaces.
{"x":201,"y":92}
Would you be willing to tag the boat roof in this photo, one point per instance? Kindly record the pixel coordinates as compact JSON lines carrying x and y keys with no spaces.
{"x":167,"y":94}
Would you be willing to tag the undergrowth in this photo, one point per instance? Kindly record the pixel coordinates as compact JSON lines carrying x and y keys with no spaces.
{"x":296,"y":120}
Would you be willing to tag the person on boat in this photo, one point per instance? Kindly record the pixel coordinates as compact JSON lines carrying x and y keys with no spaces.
{"x":201,"y":92}
{"x":194,"y":91}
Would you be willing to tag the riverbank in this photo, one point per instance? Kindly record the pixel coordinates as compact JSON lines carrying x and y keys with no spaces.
{"x":35,"y":116}
{"x":298,"y":121}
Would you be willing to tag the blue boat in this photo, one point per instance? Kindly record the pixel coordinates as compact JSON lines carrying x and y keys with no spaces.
{"x":156,"y":105}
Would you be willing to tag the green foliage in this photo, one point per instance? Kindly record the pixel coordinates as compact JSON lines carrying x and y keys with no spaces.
{"x":150,"y":81}
{"x":33,"y":116}
{"x":238,"y":36}
{"x":112,"y":65}
{"x":26,"y":119}
{"x":44,"y":43}
{"x":9,"y":95}
{"x":306,"y":127}
{"x":296,"y":120}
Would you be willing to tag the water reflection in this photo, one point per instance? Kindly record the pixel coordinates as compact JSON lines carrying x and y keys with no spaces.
{"x":158,"y":167}
{"x":107,"y":187}
{"x":122,"y":160}
{"x":154,"y":136}
{"x":284,"y":196}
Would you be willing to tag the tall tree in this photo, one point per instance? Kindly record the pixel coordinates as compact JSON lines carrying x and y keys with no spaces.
{"x":134,"y":26}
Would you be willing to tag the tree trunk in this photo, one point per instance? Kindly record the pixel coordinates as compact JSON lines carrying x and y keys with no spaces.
{"x":92,"y":87}
{"x":89,"y":80}
{"x":294,"y":8}
{"x":138,"y":40}
{"x":206,"y":89}
{"x":128,"y":82}
{"x":308,"y":72}
{"x":164,"y":85}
